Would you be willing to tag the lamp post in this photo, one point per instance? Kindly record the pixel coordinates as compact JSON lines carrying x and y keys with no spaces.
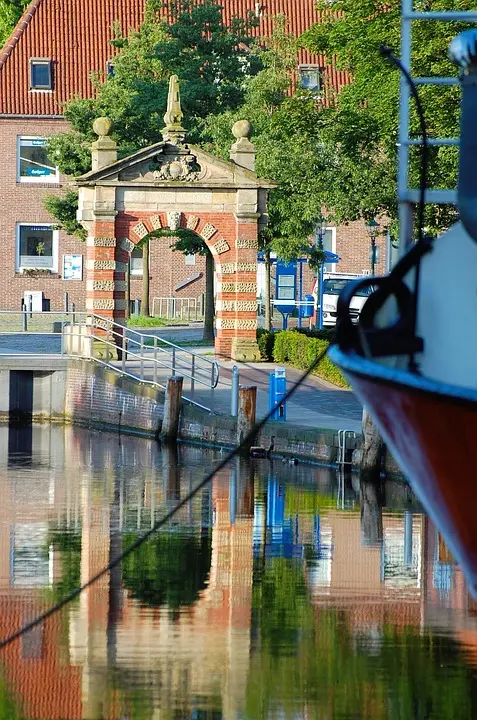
{"x":372,"y":228}
{"x":319,"y":237}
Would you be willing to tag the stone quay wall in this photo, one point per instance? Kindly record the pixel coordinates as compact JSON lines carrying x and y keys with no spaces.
{"x":85,"y":393}
{"x":98,"y":397}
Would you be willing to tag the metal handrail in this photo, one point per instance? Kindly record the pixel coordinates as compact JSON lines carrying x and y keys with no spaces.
{"x":149,"y":350}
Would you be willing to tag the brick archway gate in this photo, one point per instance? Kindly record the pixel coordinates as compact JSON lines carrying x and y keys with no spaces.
{"x":174,"y":185}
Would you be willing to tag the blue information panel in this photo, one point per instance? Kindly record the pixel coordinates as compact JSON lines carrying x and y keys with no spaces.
{"x":285,"y":295}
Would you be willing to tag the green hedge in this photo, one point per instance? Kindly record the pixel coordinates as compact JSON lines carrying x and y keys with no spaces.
{"x":300,"y":350}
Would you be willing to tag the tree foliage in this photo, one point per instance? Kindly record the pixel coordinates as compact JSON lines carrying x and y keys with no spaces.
{"x":10,"y":13}
{"x":287,"y":138}
{"x":196,"y":45}
{"x":362,"y":124}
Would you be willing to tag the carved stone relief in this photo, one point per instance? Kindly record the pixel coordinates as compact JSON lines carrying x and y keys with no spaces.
{"x":208,"y":231}
{"x":174,"y":220}
{"x":156,"y":222}
{"x":126,"y":245}
{"x":141,"y":230}
{"x":244,"y":244}
{"x":104,"y":242}
{"x":192,"y":222}
{"x":181,"y":168}
{"x":221,"y":247}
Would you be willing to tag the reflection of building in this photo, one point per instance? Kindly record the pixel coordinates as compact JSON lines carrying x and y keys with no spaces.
{"x":108,"y":651}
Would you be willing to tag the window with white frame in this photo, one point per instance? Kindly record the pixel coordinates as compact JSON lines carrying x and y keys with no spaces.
{"x":329,"y":243}
{"x":33,"y":164}
{"x":310,"y":78}
{"x":41,"y":74}
{"x":136,"y":261}
{"x":37,"y":247}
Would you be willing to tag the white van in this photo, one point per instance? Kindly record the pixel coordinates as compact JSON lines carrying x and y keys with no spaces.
{"x":333,"y":284}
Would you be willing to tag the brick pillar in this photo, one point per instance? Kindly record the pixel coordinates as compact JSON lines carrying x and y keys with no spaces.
{"x":106,"y":259}
{"x":244,"y":341}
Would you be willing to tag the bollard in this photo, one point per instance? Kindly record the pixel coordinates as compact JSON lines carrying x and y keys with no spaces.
{"x":73,"y":313}
{"x":247,"y":408}
{"x":172,"y":408}
{"x":235,"y":391}
{"x":66,"y":302}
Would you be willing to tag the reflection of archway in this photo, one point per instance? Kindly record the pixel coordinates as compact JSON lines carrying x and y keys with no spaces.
{"x":174,"y":185}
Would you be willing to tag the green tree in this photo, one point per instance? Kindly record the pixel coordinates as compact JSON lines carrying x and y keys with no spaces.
{"x":10,"y":13}
{"x":362,"y":124}
{"x":287,"y":136}
{"x":206,"y":54}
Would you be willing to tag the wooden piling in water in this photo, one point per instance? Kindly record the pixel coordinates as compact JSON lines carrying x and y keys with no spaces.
{"x":172,"y":408}
{"x":247,"y":410}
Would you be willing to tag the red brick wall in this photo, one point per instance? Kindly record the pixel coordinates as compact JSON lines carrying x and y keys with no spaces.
{"x":23,"y":202}
{"x":166,"y":270}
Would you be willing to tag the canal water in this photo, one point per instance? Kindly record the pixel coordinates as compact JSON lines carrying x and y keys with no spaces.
{"x":280,"y":591}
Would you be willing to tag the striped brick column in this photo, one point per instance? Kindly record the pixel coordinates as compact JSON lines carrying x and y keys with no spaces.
{"x":106,"y":266}
{"x":237,"y":296}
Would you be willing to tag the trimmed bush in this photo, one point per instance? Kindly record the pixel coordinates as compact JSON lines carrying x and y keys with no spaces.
{"x":301,"y":351}
{"x":266,"y":341}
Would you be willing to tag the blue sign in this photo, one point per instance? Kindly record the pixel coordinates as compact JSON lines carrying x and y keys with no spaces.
{"x":285,"y":288}
{"x":331,"y":257}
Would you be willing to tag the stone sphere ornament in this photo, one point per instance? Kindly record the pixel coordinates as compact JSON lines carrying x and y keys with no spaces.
{"x":102,"y":126}
{"x":242,"y":129}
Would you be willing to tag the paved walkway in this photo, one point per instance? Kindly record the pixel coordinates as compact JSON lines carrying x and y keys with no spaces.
{"x":316,"y":403}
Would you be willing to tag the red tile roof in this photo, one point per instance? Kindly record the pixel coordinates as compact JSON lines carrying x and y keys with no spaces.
{"x":76,"y":34}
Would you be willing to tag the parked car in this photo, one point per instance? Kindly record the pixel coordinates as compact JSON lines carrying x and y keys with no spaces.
{"x":333,"y":284}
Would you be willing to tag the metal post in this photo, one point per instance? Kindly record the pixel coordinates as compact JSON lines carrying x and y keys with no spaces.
{"x":173,"y":361}
{"x":66,"y":302}
{"x":107,"y":345}
{"x":73,"y":312}
{"x":142,"y":358}
{"x":235,"y":391}
{"x":25,"y":319}
{"x":405,"y":214}
{"x":192,"y":372}
{"x":373,"y":254}
{"x":322,"y":275}
{"x":300,"y":291}
{"x":154,"y":371}
{"x":123,"y":353}
{"x":30,"y":306}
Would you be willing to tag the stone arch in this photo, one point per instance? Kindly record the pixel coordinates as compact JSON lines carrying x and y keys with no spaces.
{"x":170,"y":185}
{"x":235,"y":260}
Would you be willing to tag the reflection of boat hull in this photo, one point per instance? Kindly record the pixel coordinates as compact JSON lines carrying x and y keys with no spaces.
{"x":431,"y":429}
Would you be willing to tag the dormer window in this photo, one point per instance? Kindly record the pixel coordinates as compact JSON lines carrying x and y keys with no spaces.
{"x":41,"y":76}
{"x":109,"y":68}
{"x":310,"y":77}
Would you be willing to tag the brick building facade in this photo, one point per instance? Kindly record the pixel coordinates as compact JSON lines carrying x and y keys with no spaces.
{"x":48,"y":59}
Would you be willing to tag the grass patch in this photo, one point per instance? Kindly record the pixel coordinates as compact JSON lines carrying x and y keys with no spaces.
{"x":146,"y":321}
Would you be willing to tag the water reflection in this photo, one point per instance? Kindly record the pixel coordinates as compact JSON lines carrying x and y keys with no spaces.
{"x":277,"y":592}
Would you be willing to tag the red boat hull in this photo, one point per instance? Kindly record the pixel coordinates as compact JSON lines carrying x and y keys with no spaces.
{"x":431,"y":430}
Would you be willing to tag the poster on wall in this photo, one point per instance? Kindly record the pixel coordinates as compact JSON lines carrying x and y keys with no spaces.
{"x":72,"y":267}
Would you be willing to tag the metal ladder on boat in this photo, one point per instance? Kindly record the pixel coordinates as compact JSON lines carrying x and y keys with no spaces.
{"x":409,"y":197}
